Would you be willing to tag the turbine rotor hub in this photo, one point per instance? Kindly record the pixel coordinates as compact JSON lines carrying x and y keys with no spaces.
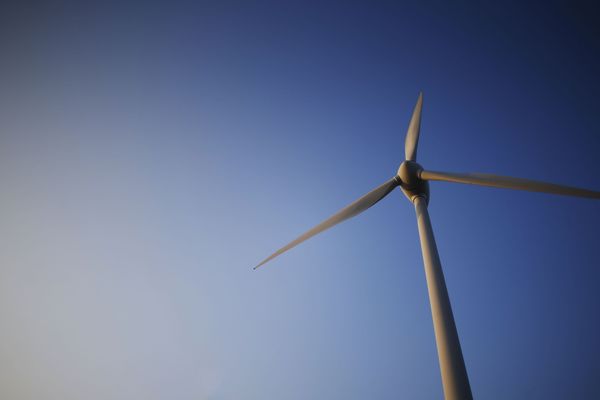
{"x":412,"y":185}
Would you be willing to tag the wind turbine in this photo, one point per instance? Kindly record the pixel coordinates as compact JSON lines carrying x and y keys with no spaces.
{"x":414,"y":182}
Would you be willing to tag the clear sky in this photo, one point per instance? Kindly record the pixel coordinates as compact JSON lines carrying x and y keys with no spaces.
{"x":152,"y":153}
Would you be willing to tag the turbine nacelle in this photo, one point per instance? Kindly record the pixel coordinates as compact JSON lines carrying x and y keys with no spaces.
{"x":411,"y":183}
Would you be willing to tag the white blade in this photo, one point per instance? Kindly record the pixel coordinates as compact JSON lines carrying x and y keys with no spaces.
{"x":412,"y":135}
{"x":348,"y":212}
{"x":507,"y":182}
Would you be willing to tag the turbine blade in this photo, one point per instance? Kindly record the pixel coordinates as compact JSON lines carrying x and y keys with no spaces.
{"x":508,"y":182}
{"x":412,"y":135}
{"x":348,"y":212}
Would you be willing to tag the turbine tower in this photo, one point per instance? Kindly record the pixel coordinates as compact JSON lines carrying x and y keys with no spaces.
{"x":414,"y":182}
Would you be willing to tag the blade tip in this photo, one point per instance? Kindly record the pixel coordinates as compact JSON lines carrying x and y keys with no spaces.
{"x":260,"y":265}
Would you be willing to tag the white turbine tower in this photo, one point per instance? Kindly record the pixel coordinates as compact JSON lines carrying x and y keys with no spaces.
{"x":414,"y":182}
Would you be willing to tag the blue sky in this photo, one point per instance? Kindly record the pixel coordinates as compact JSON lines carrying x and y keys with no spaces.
{"x":152,"y":153}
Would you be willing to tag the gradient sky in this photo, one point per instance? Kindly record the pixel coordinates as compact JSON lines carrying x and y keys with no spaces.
{"x":152,"y":153}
